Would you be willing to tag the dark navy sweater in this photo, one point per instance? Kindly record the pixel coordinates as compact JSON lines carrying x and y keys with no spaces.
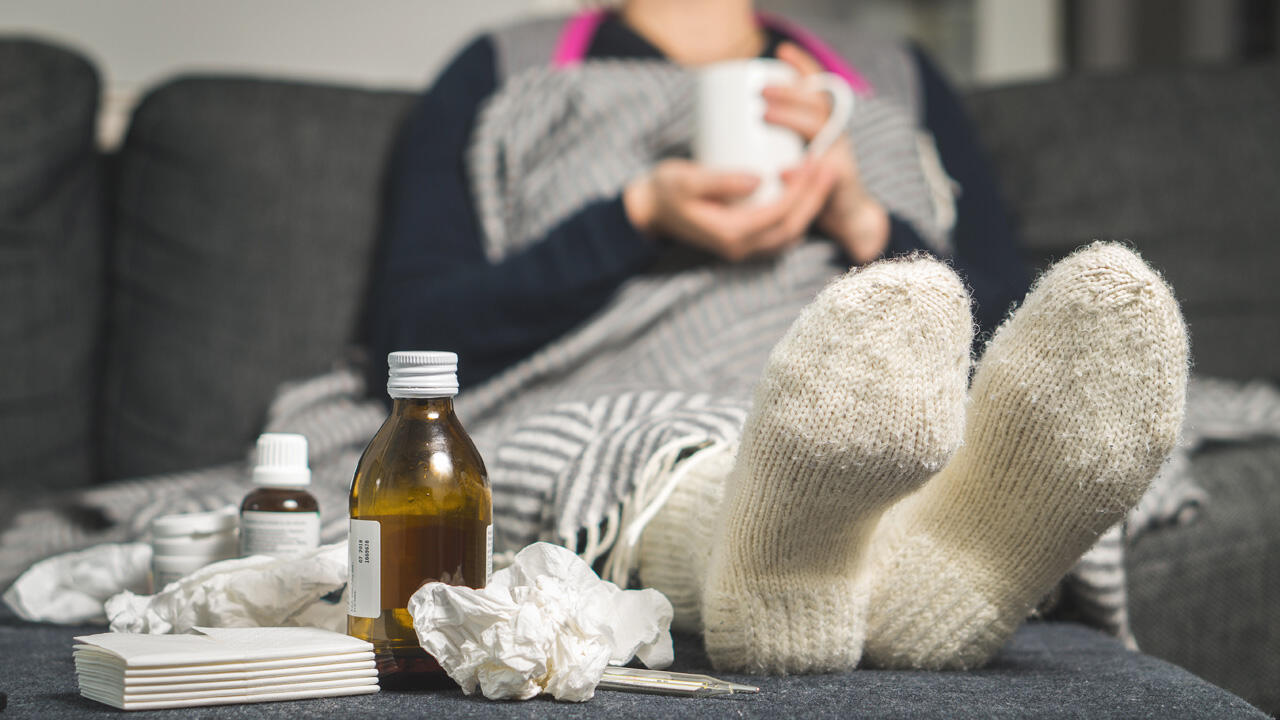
{"x":433,"y":288}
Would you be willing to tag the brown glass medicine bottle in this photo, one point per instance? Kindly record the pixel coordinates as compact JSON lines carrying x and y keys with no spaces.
{"x":421,"y":510}
{"x":280,"y":517}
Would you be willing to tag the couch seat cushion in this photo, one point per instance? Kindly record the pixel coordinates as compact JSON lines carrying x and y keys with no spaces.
{"x":1047,"y":670}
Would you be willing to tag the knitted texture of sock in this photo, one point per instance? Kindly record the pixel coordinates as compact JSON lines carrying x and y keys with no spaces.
{"x":858,"y":404}
{"x":1077,"y":401}
{"x":676,"y":545}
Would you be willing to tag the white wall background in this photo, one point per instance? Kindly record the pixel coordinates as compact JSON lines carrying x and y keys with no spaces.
{"x":136,"y":43}
{"x":402,"y":43}
{"x":1016,"y":40}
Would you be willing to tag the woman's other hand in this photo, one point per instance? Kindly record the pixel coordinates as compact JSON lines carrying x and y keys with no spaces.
{"x":703,"y":208}
{"x":849,"y":214}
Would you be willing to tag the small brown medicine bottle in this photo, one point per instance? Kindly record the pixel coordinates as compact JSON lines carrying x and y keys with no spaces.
{"x":421,"y":510}
{"x":280,"y":517}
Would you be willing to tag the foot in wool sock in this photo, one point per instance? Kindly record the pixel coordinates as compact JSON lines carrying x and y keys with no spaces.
{"x":675,"y":547}
{"x":1075,"y":404}
{"x":858,"y":404}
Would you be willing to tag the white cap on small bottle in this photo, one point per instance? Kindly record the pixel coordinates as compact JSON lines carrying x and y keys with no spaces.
{"x":282,"y":461}
{"x":422,"y":374}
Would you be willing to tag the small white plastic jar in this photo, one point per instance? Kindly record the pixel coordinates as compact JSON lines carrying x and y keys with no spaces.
{"x":184,"y":543}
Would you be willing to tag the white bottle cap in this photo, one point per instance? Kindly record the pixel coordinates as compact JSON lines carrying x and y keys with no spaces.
{"x":282,"y":461}
{"x":422,"y":374}
{"x":225,"y":520}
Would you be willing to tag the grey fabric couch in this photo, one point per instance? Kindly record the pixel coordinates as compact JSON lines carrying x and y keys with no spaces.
{"x":152,"y":299}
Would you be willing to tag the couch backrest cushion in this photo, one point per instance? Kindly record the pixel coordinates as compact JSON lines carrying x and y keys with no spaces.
{"x":1184,"y":165}
{"x":246,"y":214}
{"x":51,"y":265}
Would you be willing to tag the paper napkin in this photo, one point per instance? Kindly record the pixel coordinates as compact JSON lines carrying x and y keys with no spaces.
{"x":222,"y":666}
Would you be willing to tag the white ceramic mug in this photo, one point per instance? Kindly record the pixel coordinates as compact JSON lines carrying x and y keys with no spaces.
{"x":731,"y":133}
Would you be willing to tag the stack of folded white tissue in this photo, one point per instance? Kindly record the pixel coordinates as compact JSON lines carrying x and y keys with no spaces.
{"x":222,"y":666}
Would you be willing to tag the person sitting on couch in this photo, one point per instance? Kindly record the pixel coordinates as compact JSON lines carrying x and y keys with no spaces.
{"x":433,"y":251}
{"x":867,"y":511}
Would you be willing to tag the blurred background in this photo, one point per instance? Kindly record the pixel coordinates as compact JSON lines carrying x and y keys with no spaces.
{"x":402,"y":43}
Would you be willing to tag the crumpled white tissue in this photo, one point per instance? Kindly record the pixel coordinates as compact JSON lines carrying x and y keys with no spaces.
{"x":546,"y":624}
{"x":257,"y":591}
{"x":71,"y":587}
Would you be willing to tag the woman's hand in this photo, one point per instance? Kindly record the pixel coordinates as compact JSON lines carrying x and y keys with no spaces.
{"x":701,"y":207}
{"x":849,"y":214}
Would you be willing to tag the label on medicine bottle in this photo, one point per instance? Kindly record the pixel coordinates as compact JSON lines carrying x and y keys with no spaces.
{"x":278,"y":533}
{"x":364,"y":555}
{"x":488,"y":555}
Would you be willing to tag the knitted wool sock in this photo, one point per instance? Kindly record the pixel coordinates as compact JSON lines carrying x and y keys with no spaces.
{"x":1076,"y":402}
{"x":676,"y":545}
{"x":858,"y":404}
